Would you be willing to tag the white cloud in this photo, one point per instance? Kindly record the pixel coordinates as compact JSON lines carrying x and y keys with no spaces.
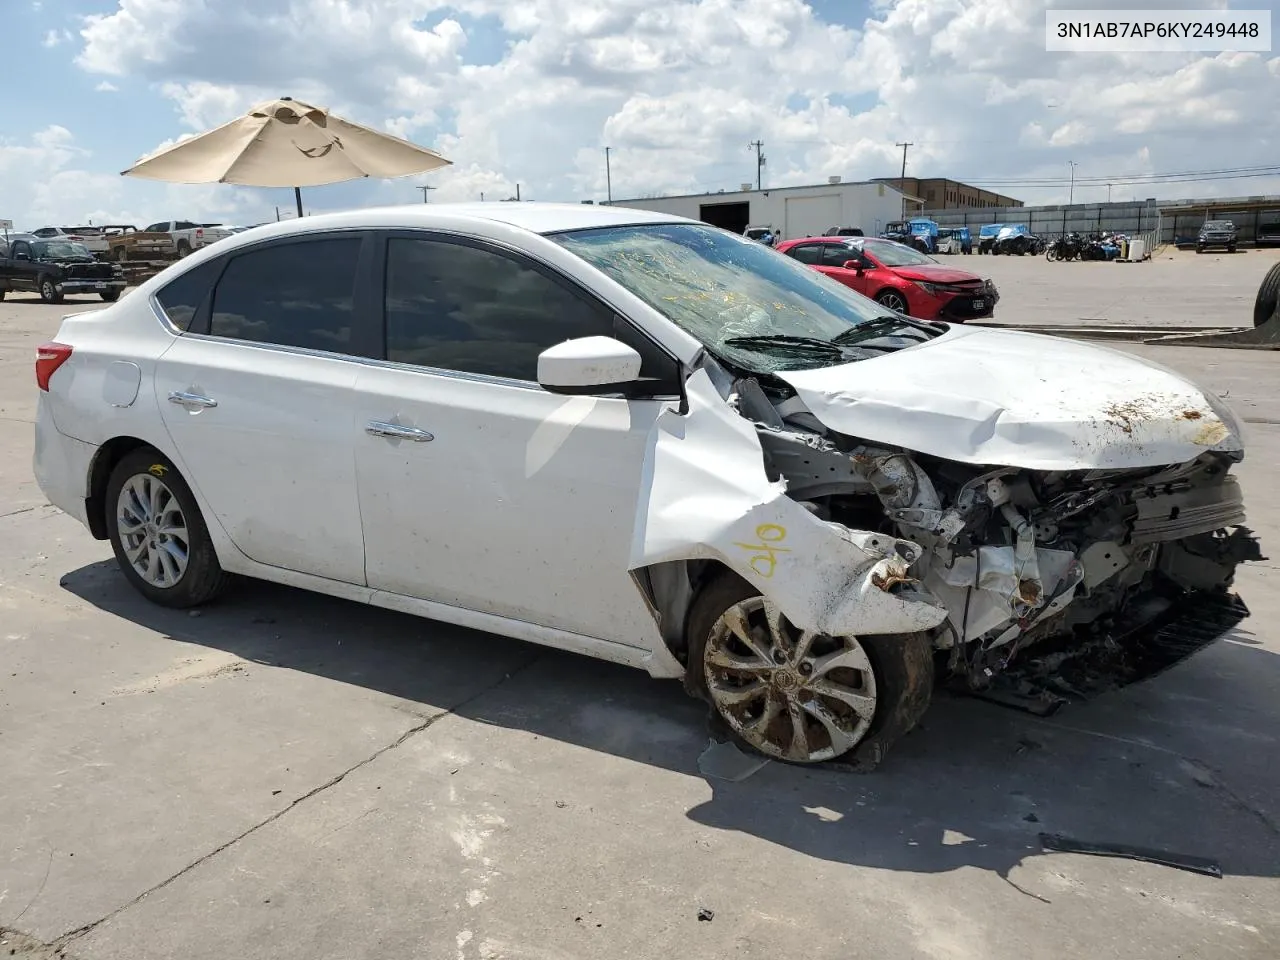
{"x":679,"y":87}
{"x":106,"y":86}
{"x":55,"y":37}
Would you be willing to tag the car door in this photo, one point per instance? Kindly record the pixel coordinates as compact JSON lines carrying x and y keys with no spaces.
{"x":832,"y":262}
{"x":257,"y":395}
{"x":23,"y":266}
{"x":479,"y":489}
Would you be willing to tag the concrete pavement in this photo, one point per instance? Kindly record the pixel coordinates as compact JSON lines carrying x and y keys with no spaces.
{"x":287,"y":775}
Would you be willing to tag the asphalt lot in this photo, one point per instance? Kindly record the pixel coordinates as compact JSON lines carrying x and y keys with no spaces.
{"x":287,"y":775}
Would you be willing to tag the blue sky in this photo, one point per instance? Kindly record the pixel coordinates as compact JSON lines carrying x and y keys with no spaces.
{"x":530,"y":92}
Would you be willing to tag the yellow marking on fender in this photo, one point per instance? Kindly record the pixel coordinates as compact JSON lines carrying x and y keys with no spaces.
{"x":766,"y":561}
{"x":157,"y":469}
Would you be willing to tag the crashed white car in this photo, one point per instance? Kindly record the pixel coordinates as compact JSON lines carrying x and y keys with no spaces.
{"x":648,"y":440}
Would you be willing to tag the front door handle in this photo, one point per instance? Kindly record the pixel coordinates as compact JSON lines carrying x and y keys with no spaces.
{"x":184,"y":399}
{"x":395,"y":431}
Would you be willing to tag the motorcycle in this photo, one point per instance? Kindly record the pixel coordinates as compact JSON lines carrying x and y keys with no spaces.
{"x":1067,"y":247}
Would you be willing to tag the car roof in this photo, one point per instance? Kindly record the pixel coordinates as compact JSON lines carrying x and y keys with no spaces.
{"x":534,"y":216}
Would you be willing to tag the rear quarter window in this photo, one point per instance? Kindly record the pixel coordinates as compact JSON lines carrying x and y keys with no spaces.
{"x":181,"y":298}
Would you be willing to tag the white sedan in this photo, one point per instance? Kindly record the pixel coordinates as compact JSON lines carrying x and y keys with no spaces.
{"x":645,"y":439}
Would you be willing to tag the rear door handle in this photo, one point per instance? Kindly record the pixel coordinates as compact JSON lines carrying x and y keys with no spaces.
{"x":395,"y":431}
{"x":184,"y":399}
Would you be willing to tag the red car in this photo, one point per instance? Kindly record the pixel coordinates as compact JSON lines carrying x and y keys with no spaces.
{"x":898,"y":277}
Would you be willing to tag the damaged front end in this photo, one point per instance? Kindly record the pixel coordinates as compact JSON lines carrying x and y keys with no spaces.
{"x":1027,"y":584}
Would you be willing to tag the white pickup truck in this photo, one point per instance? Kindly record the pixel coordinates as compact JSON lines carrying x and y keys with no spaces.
{"x":188,"y":236}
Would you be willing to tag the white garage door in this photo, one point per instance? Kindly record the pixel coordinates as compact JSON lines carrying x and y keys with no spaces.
{"x":811,"y":216}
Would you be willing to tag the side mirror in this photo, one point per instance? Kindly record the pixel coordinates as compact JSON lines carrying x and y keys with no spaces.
{"x":853,"y":265}
{"x":588,"y":365}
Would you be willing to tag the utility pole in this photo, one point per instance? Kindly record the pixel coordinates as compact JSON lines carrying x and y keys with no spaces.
{"x":1108,"y":193}
{"x":608,"y":175}
{"x":902,"y":181}
{"x":760,"y":160}
{"x":424,"y":188}
{"x":1071,"y":195}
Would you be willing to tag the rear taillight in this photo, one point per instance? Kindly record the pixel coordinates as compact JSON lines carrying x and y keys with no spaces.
{"x":49,"y":357}
{"x":200,"y":232}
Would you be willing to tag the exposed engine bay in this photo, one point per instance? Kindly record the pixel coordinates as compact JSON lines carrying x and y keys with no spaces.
{"x":1018,"y":557}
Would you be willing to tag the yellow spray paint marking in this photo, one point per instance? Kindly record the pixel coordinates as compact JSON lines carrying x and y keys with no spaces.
{"x":157,"y":469}
{"x":766,"y":561}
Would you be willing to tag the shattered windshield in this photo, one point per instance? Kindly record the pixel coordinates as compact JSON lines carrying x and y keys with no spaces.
{"x":721,"y":288}
{"x":61,"y":250}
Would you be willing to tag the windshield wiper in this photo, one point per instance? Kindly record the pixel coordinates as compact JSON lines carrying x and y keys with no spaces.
{"x":871,"y":327}
{"x":813,"y":344}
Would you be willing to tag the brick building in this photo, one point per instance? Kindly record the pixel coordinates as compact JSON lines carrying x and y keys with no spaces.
{"x":939,"y":194}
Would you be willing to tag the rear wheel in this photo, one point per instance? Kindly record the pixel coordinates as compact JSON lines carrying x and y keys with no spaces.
{"x":111,"y":296}
{"x":798,"y":696}
{"x":157,"y":533}
{"x":49,"y":292}
{"x":184,"y":248}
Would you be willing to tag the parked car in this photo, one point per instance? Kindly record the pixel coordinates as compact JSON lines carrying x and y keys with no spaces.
{"x":843,"y":232}
{"x":301,"y":404}
{"x":55,"y":268}
{"x":899,"y":277}
{"x":91,"y":237}
{"x":126,"y":242}
{"x":987,"y":235}
{"x":1268,"y":234}
{"x":189,"y":237}
{"x":1015,"y":240}
{"x":761,"y":234}
{"x":954,"y":240}
{"x":1220,"y":234}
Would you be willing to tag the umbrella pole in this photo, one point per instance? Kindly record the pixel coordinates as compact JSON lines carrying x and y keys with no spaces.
{"x":297,"y":196}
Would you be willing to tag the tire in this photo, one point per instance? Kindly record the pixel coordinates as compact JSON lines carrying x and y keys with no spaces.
{"x":2,"y":293}
{"x":48,"y":290}
{"x":896,"y":673}
{"x":1231,"y":248}
{"x":184,"y":249}
{"x":1199,"y":249}
{"x":1264,"y":307}
{"x":111,"y":296}
{"x":1051,"y":254}
{"x":202,"y":578}
{"x":893,"y":300}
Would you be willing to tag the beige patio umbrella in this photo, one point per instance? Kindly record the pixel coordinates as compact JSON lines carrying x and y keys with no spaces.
{"x":287,"y":143}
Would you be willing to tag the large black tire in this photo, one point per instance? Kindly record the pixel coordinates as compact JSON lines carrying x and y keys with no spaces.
{"x":1264,"y":307}
{"x":203,"y":579}
{"x":48,"y":290}
{"x":111,"y":296}
{"x":902,"y":664}
{"x":184,"y":249}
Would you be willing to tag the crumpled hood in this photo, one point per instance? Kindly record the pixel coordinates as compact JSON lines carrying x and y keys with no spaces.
{"x":1009,"y":398}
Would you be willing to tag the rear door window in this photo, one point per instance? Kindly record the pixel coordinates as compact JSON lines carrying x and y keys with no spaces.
{"x":807,"y":253}
{"x":295,"y":294}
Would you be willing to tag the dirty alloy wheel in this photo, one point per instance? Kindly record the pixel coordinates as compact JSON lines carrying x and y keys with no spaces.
{"x":157,"y":533}
{"x":184,"y":249}
{"x":49,"y":290}
{"x":795,"y":695}
{"x":893,"y":300}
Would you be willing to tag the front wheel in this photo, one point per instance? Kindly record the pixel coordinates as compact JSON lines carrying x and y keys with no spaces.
{"x":797,"y":696}
{"x":49,"y":291}
{"x":893,"y":300}
{"x":1051,"y":254}
{"x":157,"y":533}
{"x":111,"y":296}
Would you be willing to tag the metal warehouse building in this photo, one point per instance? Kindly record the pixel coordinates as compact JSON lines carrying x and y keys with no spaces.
{"x":791,"y":211}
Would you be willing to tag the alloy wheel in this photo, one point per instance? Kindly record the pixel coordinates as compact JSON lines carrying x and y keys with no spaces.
{"x":894,"y":301}
{"x":153,"y":530}
{"x":789,"y":693}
